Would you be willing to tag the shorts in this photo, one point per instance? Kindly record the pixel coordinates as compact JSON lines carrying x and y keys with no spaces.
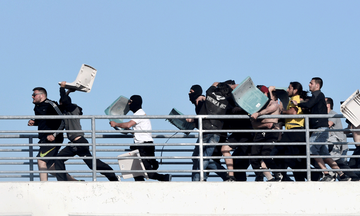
{"x":48,"y":151}
{"x":319,"y":136}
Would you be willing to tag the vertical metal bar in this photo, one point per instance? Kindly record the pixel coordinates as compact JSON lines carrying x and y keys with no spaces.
{"x":308,"y":162}
{"x":31,"y":161}
{"x":93,"y":138}
{"x":201,"y":153}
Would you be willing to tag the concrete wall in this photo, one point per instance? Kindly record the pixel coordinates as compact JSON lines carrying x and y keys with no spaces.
{"x":179,"y":198}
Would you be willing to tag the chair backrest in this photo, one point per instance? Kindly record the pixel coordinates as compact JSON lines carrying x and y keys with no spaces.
{"x":84,"y":80}
{"x":127,"y":164}
{"x":248,"y":97}
{"x":181,"y":124}
{"x":351,"y":108}
{"x":119,"y":107}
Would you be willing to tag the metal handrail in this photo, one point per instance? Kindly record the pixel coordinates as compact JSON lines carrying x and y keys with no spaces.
{"x":94,"y":134}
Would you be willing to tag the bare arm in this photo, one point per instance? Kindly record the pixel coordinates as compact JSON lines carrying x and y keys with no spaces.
{"x":273,"y":106}
{"x":291,"y":111}
{"x":125,"y":125}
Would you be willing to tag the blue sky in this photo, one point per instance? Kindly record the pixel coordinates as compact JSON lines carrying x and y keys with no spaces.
{"x":158,"y":49}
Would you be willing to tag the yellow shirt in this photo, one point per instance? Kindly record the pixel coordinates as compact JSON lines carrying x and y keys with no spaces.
{"x":291,"y":123}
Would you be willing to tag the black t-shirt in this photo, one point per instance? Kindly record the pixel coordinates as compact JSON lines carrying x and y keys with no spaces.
{"x":215,"y":104}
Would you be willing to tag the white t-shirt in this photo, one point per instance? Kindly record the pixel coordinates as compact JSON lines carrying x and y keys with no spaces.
{"x":142,"y":124}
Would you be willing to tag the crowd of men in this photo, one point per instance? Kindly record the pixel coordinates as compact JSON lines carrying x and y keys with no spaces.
{"x":218,"y":100}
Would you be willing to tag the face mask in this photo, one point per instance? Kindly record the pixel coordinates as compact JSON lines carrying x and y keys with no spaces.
{"x":194,"y":95}
{"x":136,"y":103}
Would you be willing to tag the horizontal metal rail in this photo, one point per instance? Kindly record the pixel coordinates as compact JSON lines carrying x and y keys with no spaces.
{"x":15,"y":149}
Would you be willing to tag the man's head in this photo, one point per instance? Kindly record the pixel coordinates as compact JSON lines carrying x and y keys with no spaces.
{"x":195,"y":92}
{"x":231,"y":83}
{"x":329,"y":103}
{"x":263,"y":89}
{"x":225,"y":89}
{"x":39,"y":95}
{"x":135,"y":103}
{"x":294,"y":89}
{"x":315,"y":84}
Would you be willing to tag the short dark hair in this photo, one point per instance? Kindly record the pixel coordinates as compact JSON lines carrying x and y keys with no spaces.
{"x":230,"y":82}
{"x":224,"y":89}
{"x":330,"y":101}
{"x":318,"y":80}
{"x":41,"y":89}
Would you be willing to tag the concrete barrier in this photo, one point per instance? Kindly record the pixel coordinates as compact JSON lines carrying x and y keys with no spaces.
{"x":179,"y":198}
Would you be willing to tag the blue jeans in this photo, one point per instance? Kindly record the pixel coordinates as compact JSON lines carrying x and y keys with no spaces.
{"x":319,"y":136}
{"x":207,"y":151}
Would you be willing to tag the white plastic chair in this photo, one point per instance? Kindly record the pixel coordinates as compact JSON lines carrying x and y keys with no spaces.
{"x":84,"y":80}
{"x":351,"y":108}
{"x":127,"y":164}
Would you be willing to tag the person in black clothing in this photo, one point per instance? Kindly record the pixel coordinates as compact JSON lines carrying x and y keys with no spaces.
{"x":196,"y":98}
{"x":317,"y":105}
{"x":354,"y":162}
{"x":44,"y":106}
{"x":216,"y":103}
{"x":238,"y":150}
{"x":68,"y":108}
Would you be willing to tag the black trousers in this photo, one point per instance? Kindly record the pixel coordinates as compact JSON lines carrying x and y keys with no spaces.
{"x":242,"y":150}
{"x":293,"y":150}
{"x":82,"y":151}
{"x":265,"y":150}
{"x":355,"y":162}
{"x":149,"y":164}
{"x":241,"y":163}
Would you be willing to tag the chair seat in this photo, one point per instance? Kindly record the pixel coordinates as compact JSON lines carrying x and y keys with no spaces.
{"x":127,"y":164}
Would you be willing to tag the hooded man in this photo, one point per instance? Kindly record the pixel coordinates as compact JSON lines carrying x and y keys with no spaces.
{"x":215,"y":103}
{"x":196,"y":98}
{"x":68,"y":108}
{"x":135,"y":105}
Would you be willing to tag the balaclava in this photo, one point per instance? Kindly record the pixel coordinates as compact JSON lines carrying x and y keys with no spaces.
{"x":136,"y":103}
{"x":194,"y":95}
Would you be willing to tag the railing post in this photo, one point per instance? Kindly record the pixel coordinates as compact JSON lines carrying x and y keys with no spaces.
{"x":31,"y":161}
{"x":201,"y":153}
{"x":308,"y":161}
{"x":93,"y":138}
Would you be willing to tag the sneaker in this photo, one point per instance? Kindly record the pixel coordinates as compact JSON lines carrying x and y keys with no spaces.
{"x":259,"y":177}
{"x":328,"y":178}
{"x":272,"y":180}
{"x":345,"y":177}
{"x":276,"y":178}
{"x":286,"y":178}
{"x":167,"y":177}
{"x":230,"y":179}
